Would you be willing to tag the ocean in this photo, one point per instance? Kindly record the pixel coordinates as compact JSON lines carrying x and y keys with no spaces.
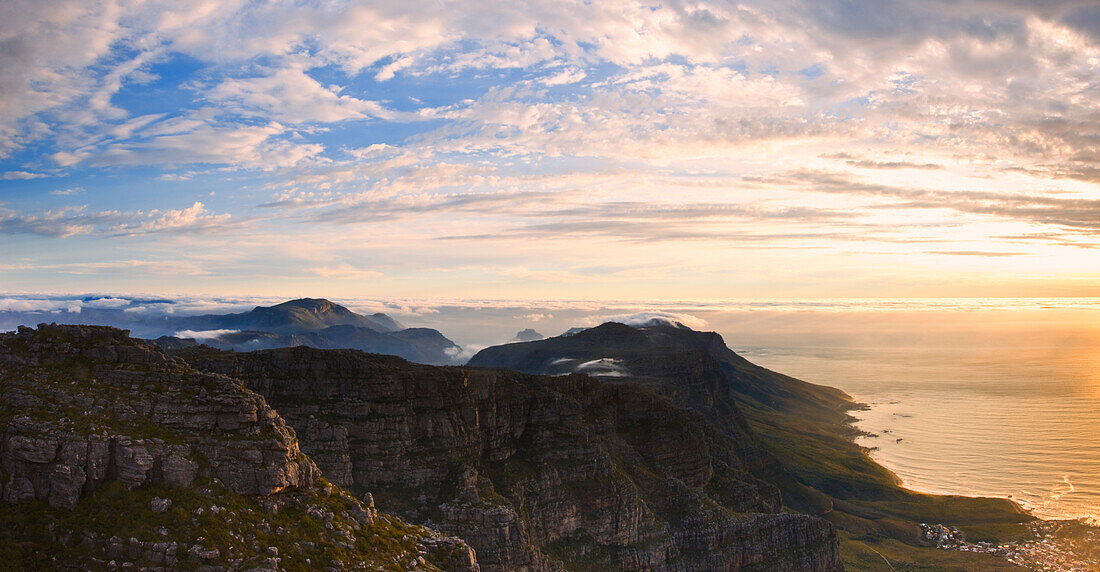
{"x":1001,"y":402}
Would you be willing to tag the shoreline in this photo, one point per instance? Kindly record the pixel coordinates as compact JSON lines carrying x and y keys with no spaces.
{"x":1051,"y":544}
{"x":932,"y":489}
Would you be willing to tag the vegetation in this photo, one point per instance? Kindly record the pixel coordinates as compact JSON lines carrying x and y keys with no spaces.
{"x":879,"y":521}
{"x":242,"y":529}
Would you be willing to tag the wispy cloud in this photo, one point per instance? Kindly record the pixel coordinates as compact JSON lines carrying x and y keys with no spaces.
{"x":71,"y":221}
{"x":481,"y":143}
{"x":1079,"y":213}
{"x":975,"y":253}
{"x":22,"y":176}
{"x":345,"y":272}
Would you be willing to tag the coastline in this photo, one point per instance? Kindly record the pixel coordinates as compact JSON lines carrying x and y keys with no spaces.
{"x":1008,"y":422}
{"x":813,"y":433}
{"x":1045,"y":543}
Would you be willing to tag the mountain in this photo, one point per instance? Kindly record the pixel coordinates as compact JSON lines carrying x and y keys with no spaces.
{"x":527,"y":335}
{"x":539,"y":472}
{"x":315,"y":323}
{"x":804,"y":427}
{"x":291,"y":317}
{"x":116,"y":455}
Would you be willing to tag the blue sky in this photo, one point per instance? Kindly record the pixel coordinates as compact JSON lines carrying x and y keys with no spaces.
{"x":551,"y":150}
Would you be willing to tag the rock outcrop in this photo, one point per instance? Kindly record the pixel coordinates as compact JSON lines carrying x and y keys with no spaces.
{"x":114,"y":454}
{"x":86,"y":404}
{"x":539,"y":472}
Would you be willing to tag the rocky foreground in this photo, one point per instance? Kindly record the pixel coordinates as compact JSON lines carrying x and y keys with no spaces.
{"x":115,"y":455}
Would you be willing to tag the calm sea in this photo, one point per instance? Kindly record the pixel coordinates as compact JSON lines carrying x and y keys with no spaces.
{"x":1001,"y":403}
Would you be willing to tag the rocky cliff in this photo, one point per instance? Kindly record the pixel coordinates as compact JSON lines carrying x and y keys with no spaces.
{"x":806,"y":427}
{"x":117,"y":454}
{"x":540,"y":472}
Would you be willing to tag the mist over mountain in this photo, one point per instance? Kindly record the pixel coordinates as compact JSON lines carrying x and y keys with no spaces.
{"x":316,"y":323}
{"x":291,"y":317}
{"x":313,"y":322}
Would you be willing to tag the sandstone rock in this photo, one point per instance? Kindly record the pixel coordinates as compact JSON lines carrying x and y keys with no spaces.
{"x":19,"y":490}
{"x":199,"y":553}
{"x":52,"y":461}
{"x":160,"y":505}
{"x":523,"y":466}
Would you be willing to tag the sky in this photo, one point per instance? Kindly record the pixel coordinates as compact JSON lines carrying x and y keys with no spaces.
{"x":551,"y":149}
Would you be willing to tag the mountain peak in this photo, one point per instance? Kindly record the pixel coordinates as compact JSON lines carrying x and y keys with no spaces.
{"x":315,"y":305}
{"x":527,"y":335}
{"x":308,"y":315}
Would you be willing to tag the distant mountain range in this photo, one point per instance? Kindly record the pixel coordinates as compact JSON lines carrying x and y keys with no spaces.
{"x":313,"y":322}
{"x":294,"y":317}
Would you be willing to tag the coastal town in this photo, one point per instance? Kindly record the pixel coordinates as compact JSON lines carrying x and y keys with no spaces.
{"x":1050,"y":546}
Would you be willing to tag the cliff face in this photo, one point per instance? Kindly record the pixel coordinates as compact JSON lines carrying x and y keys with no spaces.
{"x":70,"y":393}
{"x":120,"y":452}
{"x":539,"y":472}
{"x":805,"y":426}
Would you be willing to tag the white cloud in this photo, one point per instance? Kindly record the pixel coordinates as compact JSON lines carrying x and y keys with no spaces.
{"x":645,"y":319}
{"x":191,"y":218}
{"x":48,"y":50}
{"x":39,"y":305}
{"x":289,"y":95}
{"x":462,"y":354}
{"x":75,"y":220}
{"x":22,"y":175}
{"x":345,"y":272}
{"x":576,"y":122}
{"x":565,"y":77}
{"x":107,"y":302}
{"x":199,"y":138}
{"x":203,"y":334}
{"x":132,"y":268}
{"x":603,"y":367}
{"x":389,"y":70}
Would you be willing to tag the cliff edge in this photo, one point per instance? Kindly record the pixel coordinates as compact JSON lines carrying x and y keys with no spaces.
{"x":113,"y":454}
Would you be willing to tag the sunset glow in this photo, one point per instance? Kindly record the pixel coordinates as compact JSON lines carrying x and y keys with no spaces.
{"x":555,"y":151}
